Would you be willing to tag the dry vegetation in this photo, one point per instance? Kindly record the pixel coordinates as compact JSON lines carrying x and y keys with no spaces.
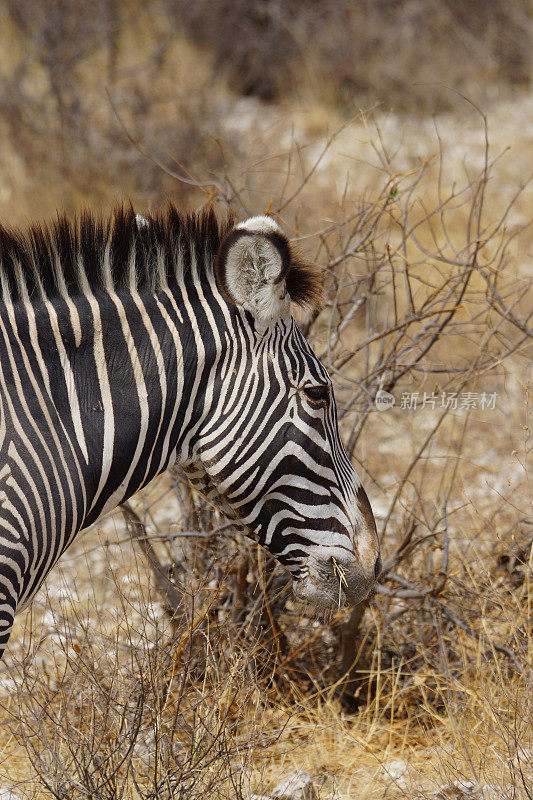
{"x":352,"y":52}
{"x":180,"y":666}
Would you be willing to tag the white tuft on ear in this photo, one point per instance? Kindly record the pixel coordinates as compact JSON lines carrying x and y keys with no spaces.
{"x":252,"y":263}
{"x":259,"y":225}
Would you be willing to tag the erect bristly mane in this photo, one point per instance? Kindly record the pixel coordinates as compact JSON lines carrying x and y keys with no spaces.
{"x":89,"y":254}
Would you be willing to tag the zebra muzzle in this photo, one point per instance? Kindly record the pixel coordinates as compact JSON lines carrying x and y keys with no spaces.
{"x":335,"y":581}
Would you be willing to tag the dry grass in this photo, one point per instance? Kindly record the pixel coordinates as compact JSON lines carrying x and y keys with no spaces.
{"x":103,"y":694}
{"x":238,"y":688}
{"x":104,"y":670}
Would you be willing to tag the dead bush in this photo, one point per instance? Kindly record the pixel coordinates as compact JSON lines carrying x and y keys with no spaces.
{"x":75,"y":76}
{"x":425,"y":306}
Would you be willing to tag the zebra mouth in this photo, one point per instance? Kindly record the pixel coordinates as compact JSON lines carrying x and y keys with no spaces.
{"x":334,"y":589}
{"x":317,"y":597}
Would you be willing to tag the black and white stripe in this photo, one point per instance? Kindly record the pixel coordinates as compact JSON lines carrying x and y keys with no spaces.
{"x":127,"y":345}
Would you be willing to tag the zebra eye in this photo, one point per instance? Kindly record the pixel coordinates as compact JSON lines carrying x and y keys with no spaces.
{"x":318,"y":394}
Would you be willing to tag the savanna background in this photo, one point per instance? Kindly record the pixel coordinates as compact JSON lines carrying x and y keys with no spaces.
{"x":393,"y":139}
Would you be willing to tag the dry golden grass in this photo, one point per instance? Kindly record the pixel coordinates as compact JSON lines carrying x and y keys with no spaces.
{"x":447,"y":695}
{"x":451,"y":721}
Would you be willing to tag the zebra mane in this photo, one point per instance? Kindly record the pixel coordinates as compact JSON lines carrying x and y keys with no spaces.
{"x":89,"y":253}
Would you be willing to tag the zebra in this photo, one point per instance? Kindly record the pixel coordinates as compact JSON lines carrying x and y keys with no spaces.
{"x":128,"y":344}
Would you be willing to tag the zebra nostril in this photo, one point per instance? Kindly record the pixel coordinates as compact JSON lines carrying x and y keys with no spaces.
{"x":377,"y":568}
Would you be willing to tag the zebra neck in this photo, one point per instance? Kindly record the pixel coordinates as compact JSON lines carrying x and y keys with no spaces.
{"x":142,"y":380}
{"x":110,"y":387}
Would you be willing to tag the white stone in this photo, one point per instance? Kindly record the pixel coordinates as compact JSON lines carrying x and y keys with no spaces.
{"x":395,"y":769}
{"x":297,"y":786}
{"x":458,"y":790}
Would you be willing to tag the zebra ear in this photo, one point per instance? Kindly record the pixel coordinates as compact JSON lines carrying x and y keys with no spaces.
{"x":251,"y":266}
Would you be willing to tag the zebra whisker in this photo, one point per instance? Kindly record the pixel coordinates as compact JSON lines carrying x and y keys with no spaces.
{"x":338,"y":569}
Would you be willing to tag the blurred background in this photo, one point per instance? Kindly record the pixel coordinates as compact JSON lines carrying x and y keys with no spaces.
{"x":393,"y":139}
{"x":197,"y":83}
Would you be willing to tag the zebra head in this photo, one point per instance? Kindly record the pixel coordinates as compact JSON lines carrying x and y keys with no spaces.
{"x":269,"y":450}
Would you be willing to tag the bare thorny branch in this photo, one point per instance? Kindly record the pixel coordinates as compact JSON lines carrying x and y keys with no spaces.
{"x":407,"y":301}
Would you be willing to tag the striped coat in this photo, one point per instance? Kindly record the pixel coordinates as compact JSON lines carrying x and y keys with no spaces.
{"x":127,"y":345}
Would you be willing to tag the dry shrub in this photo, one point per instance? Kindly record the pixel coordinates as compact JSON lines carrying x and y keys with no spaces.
{"x":423,"y":297}
{"x":75,"y":75}
{"x":147,"y":706}
{"x":424,"y":302}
